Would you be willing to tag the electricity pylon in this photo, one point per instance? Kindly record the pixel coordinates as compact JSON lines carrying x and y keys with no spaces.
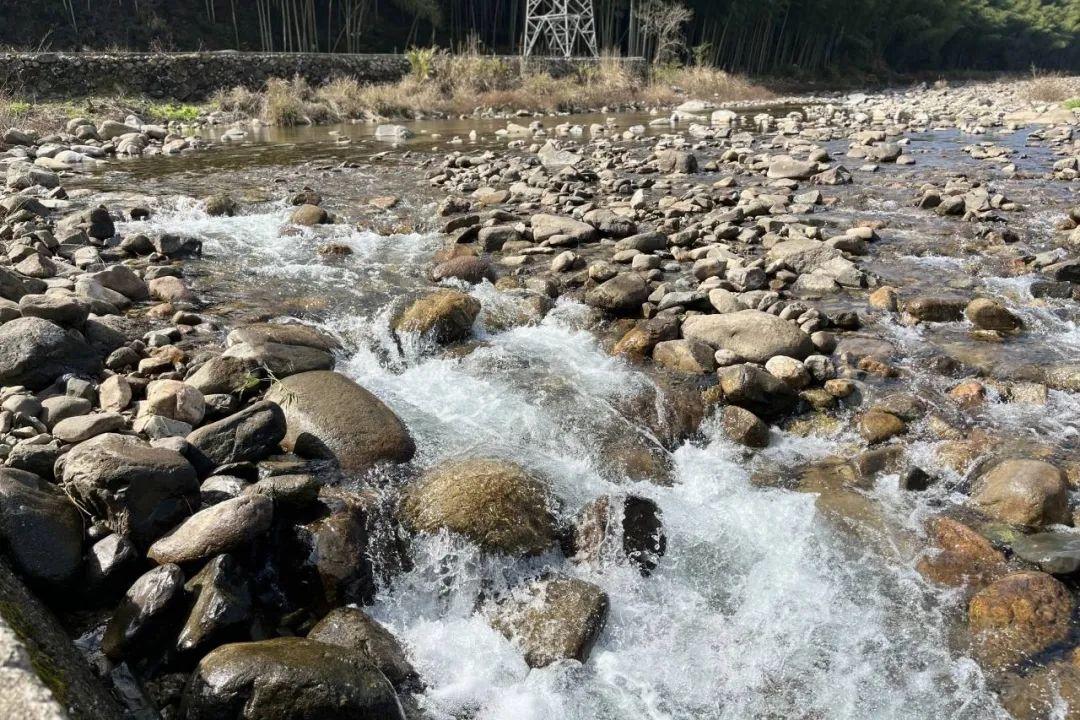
{"x":562,"y":23}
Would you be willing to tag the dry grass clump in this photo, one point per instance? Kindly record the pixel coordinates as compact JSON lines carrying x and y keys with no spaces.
{"x":407,"y":98}
{"x":1050,"y":87}
{"x":36,"y":117}
{"x":286,"y":102}
{"x":239,"y":100}
{"x":343,"y":96}
{"x":472,"y":73}
{"x":463,"y":83}
{"x":674,"y":83}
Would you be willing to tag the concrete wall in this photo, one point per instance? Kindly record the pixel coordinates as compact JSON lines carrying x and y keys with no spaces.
{"x":194,"y":76}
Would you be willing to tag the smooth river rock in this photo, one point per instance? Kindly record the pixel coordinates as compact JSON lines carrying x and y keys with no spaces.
{"x":34,"y":352}
{"x":220,"y":528}
{"x":494,"y":503}
{"x":288,"y":679}
{"x":751,"y":334}
{"x":331,"y":417}
{"x":137,"y":490}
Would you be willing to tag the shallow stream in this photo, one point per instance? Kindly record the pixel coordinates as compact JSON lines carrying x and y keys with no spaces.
{"x":769,"y":603}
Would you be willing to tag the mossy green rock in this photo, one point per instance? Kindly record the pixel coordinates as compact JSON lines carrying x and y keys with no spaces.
{"x":494,"y":503}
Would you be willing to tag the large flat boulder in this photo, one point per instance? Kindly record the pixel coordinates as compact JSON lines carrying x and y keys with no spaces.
{"x":753,"y":335}
{"x":41,"y":530}
{"x":137,"y":490}
{"x":287,"y":679}
{"x":330,"y":416}
{"x":34,"y":352}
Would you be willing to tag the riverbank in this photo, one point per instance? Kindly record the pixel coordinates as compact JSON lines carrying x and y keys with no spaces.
{"x":438,"y":85}
{"x":803,"y":376}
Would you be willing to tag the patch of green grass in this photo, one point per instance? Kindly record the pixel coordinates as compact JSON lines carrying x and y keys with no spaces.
{"x":1072,"y":103}
{"x":18,"y":107}
{"x":175,"y":113}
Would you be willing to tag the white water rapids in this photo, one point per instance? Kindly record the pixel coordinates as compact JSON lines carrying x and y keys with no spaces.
{"x":762,"y":607}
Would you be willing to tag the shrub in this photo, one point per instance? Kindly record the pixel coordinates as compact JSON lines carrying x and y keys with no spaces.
{"x":239,"y":100}
{"x":285,"y":102}
{"x":421,"y":62}
{"x":174,"y":113}
{"x":1048,"y":87}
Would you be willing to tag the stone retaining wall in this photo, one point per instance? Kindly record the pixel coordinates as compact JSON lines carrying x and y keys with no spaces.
{"x":194,"y":76}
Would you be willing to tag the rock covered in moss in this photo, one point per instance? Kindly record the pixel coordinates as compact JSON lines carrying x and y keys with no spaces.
{"x":494,"y":503}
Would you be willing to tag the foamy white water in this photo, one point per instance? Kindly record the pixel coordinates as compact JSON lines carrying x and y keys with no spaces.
{"x":763,"y":607}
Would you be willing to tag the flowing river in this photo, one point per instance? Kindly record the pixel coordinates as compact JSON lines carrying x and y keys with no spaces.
{"x":769,"y":603}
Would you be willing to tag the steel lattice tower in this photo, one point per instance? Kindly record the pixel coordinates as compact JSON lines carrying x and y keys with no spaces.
{"x":562,"y":23}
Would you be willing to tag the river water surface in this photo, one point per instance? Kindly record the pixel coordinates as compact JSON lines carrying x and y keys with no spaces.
{"x":769,"y":603}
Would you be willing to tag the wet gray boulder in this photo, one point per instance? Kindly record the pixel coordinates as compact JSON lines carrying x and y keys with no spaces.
{"x":753,"y":335}
{"x":220,"y":204}
{"x":470,"y":268}
{"x":138,"y":490}
{"x":546,"y":226}
{"x":60,"y":309}
{"x":148,"y":616}
{"x":222,"y":608}
{"x":309,"y":215}
{"x":223,"y":374}
{"x":331,"y":417}
{"x":333,"y":558}
{"x":445,"y":316}
{"x":288,"y":679}
{"x":43,"y":676}
{"x":37,"y":459}
{"x":645,"y":242}
{"x":553,"y":619}
{"x":744,"y":427}
{"x":95,"y":222}
{"x":987,"y":314}
{"x":12,"y":285}
{"x":624,"y":293}
{"x":281,"y":360}
{"x":250,"y":434}
{"x":228,"y":525}
{"x":41,"y":531}
{"x":676,"y":161}
{"x":83,"y":427}
{"x":785,"y":167}
{"x":750,"y":387}
{"x":1057,"y":553}
{"x":353,"y":629}
{"x":283,"y":334}
{"x":122,"y":279}
{"x":936,"y":309}
{"x":34,"y":352}
{"x":112,"y":563}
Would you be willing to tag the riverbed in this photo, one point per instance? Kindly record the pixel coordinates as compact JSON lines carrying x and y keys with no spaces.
{"x":769,"y":602}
